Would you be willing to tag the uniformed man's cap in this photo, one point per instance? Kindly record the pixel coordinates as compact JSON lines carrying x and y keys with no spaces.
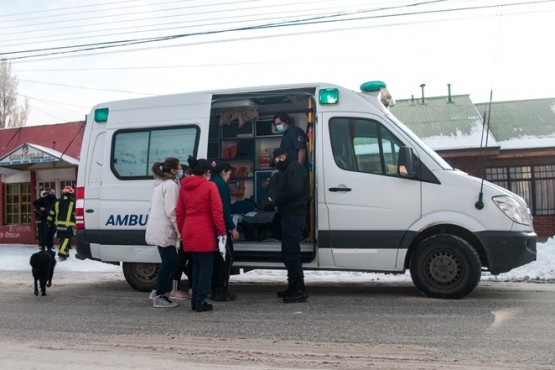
{"x":277,"y":152}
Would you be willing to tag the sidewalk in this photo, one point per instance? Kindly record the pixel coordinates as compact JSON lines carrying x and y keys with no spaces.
{"x":15,"y":257}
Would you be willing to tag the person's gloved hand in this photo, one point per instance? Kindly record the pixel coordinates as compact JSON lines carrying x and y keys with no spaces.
{"x":270,"y":204}
{"x":222,"y":241}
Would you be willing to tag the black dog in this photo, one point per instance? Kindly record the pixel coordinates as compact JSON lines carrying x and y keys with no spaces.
{"x":43,"y":264}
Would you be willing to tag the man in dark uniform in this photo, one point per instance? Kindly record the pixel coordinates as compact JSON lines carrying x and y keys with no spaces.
{"x":63,"y":217}
{"x":42,"y":208}
{"x":294,"y":138}
{"x":290,"y":195}
{"x":51,"y":227}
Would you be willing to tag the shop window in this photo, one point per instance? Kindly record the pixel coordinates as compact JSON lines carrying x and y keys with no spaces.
{"x":17,"y":204}
{"x":533,"y":183}
{"x":65,"y":183}
{"x":58,"y":185}
{"x":45,"y":185}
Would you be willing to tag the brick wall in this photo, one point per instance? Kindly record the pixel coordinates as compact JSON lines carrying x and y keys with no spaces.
{"x":544,"y":227}
{"x":472,"y":163}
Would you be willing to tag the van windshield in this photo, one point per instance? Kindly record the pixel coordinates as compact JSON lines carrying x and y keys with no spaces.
{"x":436,"y":157}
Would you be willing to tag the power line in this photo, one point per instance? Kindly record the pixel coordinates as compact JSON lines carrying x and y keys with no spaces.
{"x":304,"y":21}
{"x":87,"y":88}
{"x":55,"y":102}
{"x":333,"y":18}
{"x":189,"y":24}
{"x":148,"y":28}
{"x":47,"y":113}
{"x":203,"y":65}
{"x":64,"y":8}
{"x":127,"y":14}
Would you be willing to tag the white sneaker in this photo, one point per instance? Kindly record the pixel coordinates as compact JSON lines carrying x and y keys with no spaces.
{"x":162,"y":301}
{"x":152,"y":294}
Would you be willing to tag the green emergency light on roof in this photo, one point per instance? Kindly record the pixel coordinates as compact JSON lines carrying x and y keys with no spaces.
{"x":372,"y":86}
{"x":329,"y":96}
{"x":101,"y":114}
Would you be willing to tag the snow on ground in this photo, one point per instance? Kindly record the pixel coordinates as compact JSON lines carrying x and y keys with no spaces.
{"x":16,"y":258}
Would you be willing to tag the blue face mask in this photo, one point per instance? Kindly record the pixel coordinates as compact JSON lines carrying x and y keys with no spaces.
{"x":280,"y":127}
{"x":180,"y":174}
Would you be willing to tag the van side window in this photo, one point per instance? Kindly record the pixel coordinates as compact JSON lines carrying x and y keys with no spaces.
{"x":364,"y":145}
{"x":135,"y":151}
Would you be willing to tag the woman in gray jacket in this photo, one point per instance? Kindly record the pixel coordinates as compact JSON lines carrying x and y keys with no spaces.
{"x":161,"y":227}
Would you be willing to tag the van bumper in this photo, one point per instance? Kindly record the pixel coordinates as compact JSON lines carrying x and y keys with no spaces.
{"x":83,"y":247}
{"x":506,"y":250}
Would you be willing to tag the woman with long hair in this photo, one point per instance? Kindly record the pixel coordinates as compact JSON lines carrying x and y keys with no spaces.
{"x":161,"y":227}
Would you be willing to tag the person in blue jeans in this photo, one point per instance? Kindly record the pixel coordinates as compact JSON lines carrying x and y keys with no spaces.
{"x":161,"y":227}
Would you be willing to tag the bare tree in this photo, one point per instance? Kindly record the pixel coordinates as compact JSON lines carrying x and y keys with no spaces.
{"x":12,"y":114}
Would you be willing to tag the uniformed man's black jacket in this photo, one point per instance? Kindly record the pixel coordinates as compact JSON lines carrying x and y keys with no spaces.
{"x":291,"y":191}
{"x":46,"y":203}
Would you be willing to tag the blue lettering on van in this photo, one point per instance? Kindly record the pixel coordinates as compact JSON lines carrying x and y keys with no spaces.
{"x":127,"y":220}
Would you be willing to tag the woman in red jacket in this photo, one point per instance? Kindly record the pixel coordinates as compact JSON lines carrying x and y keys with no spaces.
{"x":200,"y":218}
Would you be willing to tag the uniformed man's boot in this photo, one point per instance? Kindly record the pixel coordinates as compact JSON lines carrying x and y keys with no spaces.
{"x":285,"y":292}
{"x":298,"y":293}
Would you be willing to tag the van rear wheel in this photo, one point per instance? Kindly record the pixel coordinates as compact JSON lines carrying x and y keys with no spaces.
{"x":445,"y":266}
{"x":141,"y":276}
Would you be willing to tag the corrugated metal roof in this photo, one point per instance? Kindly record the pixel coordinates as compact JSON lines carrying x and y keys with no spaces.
{"x":522,"y":123}
{"x":442,"y":124}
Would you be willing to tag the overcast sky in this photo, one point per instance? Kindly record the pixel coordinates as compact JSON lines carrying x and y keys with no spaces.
{"x":475,"y":45}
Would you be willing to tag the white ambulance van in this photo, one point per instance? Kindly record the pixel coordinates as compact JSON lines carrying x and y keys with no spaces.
{"x":381,"y":199}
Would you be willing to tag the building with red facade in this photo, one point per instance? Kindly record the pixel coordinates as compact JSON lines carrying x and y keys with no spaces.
{"x":33,"y":159}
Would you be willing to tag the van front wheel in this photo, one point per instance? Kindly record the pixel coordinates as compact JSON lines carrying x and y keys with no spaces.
{"x":445,"y":266}
{"x":141,"y":276}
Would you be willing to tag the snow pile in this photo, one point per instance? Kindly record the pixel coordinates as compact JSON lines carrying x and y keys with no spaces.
{"x":16,"y":258}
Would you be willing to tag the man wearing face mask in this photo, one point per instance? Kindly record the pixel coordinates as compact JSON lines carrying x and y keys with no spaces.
{"x":294,"y":138}
{"x":290,"y":195}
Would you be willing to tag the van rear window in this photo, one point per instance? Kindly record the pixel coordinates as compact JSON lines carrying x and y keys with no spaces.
{"x":135,"y":151}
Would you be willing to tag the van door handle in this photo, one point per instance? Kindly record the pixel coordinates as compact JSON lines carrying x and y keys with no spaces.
{"x":342,"y":188}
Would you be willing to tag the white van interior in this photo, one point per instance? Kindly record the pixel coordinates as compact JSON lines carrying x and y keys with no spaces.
{"x":242,"y":133}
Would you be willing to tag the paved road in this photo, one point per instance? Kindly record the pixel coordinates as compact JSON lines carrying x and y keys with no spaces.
{"x":96,"y":320}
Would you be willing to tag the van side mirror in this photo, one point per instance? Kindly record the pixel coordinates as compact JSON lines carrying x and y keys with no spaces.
{"x":405,"y":166}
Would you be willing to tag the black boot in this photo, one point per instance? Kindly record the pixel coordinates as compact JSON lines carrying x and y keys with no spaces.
{"x":223,"y":295}
{"x":204,"y":306}
{"x":194,"y":301}
{"x":298,"y":293}
{"x":297,"y":296}
{"x":286,"y":292}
